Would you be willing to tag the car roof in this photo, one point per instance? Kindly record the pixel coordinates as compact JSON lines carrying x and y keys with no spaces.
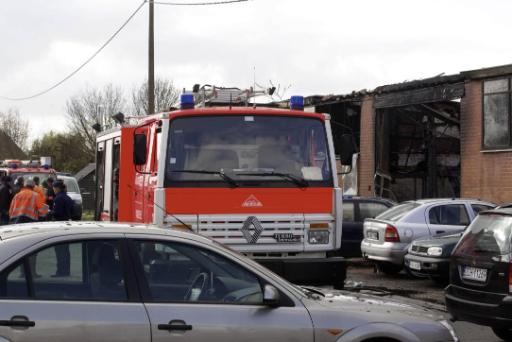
{"x":54,"y":229}
{"x":443,"y":200}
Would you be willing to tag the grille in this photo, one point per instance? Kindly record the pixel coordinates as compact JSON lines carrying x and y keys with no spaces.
{"x":229,"y":231}
{"x":419,"y":249}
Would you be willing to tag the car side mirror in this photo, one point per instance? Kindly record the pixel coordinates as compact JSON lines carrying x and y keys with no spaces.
{"x":271,"y":296}
{"x":139,"y":149}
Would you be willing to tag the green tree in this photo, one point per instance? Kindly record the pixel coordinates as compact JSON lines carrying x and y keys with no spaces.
{"x":68,"y":151}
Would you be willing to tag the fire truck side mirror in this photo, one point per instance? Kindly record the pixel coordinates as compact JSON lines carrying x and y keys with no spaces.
{"x":139,"y":149}
{"x":347,"y":148}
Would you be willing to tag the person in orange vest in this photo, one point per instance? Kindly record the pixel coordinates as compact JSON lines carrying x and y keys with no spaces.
{"x":26,"y":206}
{"x":39,"y":189}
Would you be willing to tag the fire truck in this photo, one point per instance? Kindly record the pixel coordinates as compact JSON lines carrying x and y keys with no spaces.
{"x":261,"y":180}
{"x":27,"y":168}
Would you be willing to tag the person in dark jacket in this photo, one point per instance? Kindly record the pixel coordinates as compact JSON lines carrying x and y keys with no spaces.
{"x":62,"y":211}
{"x":50,"y":194}
{"x":6,"y":195}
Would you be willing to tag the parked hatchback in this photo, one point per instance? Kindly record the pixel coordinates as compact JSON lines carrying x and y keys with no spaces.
{"x":142,"y":283}
{"x":430,"y":256}
{"x":355,"y":211}
{"x":480,"y":289}
{"x":388,"y":236}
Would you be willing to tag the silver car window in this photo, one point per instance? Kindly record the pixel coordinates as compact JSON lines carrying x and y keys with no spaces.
{"x":87,"y":270}
{"x":399,"y":211}
{"x":449,"y":214}
{"x":181,"y":273}
{"x":13,"y":283}
{"x":370,"y":209}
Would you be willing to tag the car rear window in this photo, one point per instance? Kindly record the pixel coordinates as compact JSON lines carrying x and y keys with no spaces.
{"x":397,"y":212}
{"x":488,"y":235}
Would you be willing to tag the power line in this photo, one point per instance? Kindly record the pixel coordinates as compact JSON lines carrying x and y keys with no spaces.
{"x":198,"y":3}
{"x":84,"y":63}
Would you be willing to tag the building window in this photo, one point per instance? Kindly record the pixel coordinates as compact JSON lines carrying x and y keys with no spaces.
{"x":496,"y":108}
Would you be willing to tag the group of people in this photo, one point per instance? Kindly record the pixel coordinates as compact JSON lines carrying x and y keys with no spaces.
{"x":27,"y":201}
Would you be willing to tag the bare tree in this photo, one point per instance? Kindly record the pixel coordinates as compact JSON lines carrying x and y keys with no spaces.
{"x":93,"y":106}
{"x":166,"y":96}
{"x":15,"y":127}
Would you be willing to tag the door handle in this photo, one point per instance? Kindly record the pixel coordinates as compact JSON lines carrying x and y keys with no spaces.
{"x":176,"y":325}
{"x":440,"y":231}
{"x":17,"y":321}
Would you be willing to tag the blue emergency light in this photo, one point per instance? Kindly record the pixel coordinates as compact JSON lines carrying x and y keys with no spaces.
{"x":297,"y":102}
{"x":187,"y":101}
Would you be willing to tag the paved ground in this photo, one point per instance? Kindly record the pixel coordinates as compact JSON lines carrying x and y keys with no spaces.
{"x":361,"y":274}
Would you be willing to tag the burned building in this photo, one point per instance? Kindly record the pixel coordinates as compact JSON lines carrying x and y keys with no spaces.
{"x":445,"y":136}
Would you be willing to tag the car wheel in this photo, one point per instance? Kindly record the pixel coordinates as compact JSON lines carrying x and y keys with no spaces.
{"x":388,"y":268}
{"x":503,"y":333}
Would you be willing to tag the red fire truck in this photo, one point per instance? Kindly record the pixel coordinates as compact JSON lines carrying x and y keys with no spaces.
{"x":27,"y":168}
{"x":260,"y":180}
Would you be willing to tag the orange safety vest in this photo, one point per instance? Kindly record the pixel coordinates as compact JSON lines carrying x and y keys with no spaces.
{"x":26,"y":203}
{"x":40,"y":194}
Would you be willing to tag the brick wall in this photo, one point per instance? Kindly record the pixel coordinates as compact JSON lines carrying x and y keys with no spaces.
{"x":366,"y":167}
{"x":483,"y":175}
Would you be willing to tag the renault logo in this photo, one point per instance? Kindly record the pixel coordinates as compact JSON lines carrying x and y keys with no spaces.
{"x":257,"y":229}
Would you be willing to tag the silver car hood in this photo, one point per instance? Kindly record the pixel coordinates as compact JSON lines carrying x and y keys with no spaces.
{"x":348,"y":311}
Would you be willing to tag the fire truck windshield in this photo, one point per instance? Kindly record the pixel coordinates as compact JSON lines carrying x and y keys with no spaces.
{"x":259,"y":150}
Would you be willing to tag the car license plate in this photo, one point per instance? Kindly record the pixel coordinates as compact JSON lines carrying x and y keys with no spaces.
{"x":473,"y":273}
{"x":414,"y":265}
{"x":372,"y":235}
{"x":286,"y":237}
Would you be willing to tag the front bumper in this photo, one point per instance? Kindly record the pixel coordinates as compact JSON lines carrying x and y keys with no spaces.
{"x":479,"y":307}
{"x":430,"y":267}
{"x":387,"y":251}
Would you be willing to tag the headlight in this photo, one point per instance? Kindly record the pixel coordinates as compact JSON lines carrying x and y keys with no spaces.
{"x":448,"y":326}
{"x":434,"y":251}
{"x":318,"y":237}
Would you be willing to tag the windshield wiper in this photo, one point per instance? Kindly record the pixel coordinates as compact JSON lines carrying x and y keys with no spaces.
{"x":220,"y":173}
{"x":301,"y":182}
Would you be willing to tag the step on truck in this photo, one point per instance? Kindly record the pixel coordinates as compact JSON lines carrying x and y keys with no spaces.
{"x":261,"y":180}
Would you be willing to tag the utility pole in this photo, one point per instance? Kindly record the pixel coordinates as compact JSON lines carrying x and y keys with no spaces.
{"x":151,"y":60}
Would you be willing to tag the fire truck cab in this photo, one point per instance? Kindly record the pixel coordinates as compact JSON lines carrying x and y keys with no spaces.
{"x":260,"y":180}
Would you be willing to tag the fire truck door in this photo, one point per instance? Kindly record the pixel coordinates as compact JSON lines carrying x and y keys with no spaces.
{"x":142,"y":174}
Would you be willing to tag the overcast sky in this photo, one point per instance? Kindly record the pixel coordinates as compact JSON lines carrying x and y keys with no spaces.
{"x":319,"y":47}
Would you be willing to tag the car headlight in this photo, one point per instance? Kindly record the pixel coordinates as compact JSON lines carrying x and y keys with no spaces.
{"x":434,"y":251}
{"x":448,"y":326}
{"x":318,"y":237}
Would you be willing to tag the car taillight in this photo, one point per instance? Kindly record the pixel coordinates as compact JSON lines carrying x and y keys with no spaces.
{"x":391,"y":234}
{"x":510,"y":278}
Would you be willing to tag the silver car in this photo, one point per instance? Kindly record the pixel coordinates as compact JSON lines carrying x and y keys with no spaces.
{"x":388,"y":236}
{"x":118,"y":282}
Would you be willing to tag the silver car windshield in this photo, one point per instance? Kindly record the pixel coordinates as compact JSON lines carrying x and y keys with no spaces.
{"x":397,"y":212}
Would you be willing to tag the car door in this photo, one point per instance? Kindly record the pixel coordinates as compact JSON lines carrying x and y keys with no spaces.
{"x":71,"y":291}
{"x":197,"y":294}
{"x":447,"y":218}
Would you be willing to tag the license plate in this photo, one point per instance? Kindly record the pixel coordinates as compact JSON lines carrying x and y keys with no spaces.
{"x":372,"y":235}
{"x":286,"y":237}
{"x":473,"y":273}
{"x":414,"y":265}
